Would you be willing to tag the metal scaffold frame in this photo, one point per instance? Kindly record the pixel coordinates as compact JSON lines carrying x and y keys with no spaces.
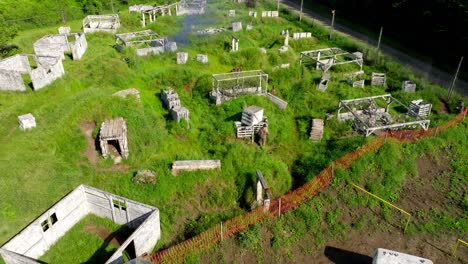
{"x":329,"y":57}
{"x":364,"y":125}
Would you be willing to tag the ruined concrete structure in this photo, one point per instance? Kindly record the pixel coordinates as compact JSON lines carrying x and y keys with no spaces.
{"x":408,"y":86}
{"x":371,"y":114}
{"x":171,"y":99}
{"x":234,"y":44}
{"x":301,"y":35}
{"x":251,"y":123}
{"x":356,"y":80}
{"x":58,"y":45}
{"x":128,"y":92}
{"x":262,"y":199}
{"x":26,"y":121}
{"x":323,"y":84}
{"x":232,"y":13}
{"x":228,"y":86}
{"x":270,"y":14}
{"x":64,"y":30}
{"x":316,"y":132}
{"x":182,"y":57}
{"x":253,"y":13}
{"x":145,"y":42}
{"x":193,"y":165}
{"x":46,"y":70}
{"x":35,"y":239}
{"x":101,"y":23}
{"x":114,"y":132}
{"x":237,"y":26}
{"x":378,"y":79}
{"x":202,"y":58}
{"x":420,"y":107}
{"x":190,"y":7}
{"x":329,"y":57}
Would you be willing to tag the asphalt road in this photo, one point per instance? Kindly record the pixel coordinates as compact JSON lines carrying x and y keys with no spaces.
{"x":422,"y":68}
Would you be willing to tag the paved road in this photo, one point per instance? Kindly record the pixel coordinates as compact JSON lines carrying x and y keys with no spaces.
{"x":422,"y":68}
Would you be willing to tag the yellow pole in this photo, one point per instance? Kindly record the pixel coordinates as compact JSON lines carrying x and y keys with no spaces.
{"x":454,"y":252}
{"x":387,"y":203}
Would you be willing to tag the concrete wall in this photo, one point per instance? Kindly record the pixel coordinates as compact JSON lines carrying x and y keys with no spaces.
{"x":50,"y":69}
{"x":57,"y":45}
{"x":18,"y":63}
{"x":11,"y":81}
{"x":32,"y":242}
{"x":14,"y":258}
{"x":144,"y":238}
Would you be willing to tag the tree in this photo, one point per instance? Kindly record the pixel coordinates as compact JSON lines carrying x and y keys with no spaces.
{"x":8,"y":32}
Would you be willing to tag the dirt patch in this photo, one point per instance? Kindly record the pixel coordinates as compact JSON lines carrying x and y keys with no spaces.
{"x":105,"y":234}
{"x":444,"y":106}
{"x":90,"y":152}
{"x":428,"y":190}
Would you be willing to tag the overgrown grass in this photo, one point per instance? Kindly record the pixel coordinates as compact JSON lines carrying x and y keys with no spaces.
{"x":80,"y":245}
{"x":42,"y":165}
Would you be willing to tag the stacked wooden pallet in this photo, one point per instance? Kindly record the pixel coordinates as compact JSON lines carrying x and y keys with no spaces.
{"x":316,"y":132}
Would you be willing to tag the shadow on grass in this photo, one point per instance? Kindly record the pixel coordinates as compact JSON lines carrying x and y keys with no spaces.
{"x":341,"y":256}
{"x":114,"y":239}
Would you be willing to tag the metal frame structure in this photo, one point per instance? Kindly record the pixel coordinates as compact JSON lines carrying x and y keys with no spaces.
{"x":101,"y":23}
{"x":329,"y":57}
{"x":378,"y":115}
{"x":228,"y":86}
{"x":147,"y":38}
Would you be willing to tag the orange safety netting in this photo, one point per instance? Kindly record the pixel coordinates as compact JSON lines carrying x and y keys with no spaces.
{"x":287,"y":202}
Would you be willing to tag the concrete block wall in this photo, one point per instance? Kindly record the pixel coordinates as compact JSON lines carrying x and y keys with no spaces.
{"x":32,"y":242}
{"x":18,"y":63}
{"x":144,"y":238}
{"x":11,"y":81}
{"x":14,"y":258}
{"x":50,"y":70}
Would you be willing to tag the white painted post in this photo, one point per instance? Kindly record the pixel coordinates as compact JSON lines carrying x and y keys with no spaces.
{"x":332,"y":24}
{"x":380,"y":38}
{"x":452,"y":86}
{"x":279,"y":207}
{"x":300,"y":15}
{"x":221,"y":232}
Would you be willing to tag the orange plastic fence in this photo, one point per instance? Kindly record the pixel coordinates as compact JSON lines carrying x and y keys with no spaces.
{"x":289,"y":201}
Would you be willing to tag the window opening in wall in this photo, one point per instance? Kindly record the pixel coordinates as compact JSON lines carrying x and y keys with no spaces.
{"x":53,"y":219}
{"x":45,"y":225}
{"x":120,"y":205}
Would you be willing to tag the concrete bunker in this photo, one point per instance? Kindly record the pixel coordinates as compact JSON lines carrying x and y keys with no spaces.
{"x":114,"y":133}
{"x":329,"y":57}
{"x":145,"y":42}
{"x":58,"y":45}
{"x":408,"y":86}
{"x":371,"y":114}
{"x":41,"y":70}
{"x":101,"y":23}
{"x":35,"y":239}
{"x":228,"y":86}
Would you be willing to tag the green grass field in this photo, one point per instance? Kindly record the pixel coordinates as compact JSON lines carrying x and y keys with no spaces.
{"x":42,"y":165}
